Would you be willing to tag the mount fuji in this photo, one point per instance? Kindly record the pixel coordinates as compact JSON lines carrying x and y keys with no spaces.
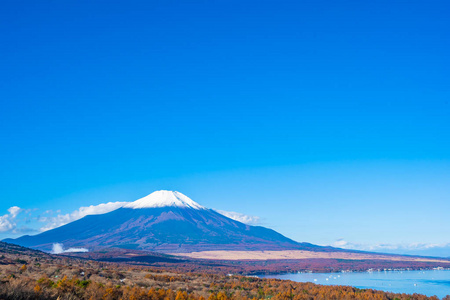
{"x":166,"y":222}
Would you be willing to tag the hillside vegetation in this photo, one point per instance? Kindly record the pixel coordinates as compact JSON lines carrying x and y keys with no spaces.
{"x":30,"y":274}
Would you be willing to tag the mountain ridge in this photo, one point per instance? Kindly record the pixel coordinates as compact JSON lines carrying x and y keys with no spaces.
{"x":166,"y":222}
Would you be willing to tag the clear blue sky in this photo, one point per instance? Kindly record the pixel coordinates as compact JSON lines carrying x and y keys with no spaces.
{"x":328,"y":120}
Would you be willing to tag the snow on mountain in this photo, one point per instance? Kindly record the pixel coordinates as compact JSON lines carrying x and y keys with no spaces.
{"x":164,"y":199}
{"x":163,"y":221}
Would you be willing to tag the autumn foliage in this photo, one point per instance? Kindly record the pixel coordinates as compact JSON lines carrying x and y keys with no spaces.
{"x":214,"y":288}
{"x":26,"y":274}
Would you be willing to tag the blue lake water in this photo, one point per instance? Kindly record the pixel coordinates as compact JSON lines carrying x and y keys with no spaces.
{"x":430,"y":282}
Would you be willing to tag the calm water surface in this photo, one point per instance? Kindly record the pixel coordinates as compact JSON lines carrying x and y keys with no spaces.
{"x":430,"y":283}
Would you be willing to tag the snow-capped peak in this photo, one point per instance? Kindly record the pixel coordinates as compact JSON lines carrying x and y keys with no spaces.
{"x":164,"y":199}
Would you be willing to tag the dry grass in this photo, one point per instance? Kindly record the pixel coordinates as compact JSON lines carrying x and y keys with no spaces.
{"x":300,"y":254}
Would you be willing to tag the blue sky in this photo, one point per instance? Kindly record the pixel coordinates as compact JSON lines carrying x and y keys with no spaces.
{"x":329,"y":121}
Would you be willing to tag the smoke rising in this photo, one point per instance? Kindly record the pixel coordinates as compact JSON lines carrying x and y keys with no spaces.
{"x":58,"y":248}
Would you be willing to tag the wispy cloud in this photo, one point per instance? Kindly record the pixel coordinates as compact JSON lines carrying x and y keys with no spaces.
{"x":406,"y":248}
{"x":51,"y":221}
{"x":12,"y":224}
{"x":251,"y":220}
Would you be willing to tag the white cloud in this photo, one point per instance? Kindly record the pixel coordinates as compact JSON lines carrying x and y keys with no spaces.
{"x":14,"y":211}
{"x":340,"y":243}
{"x":52,"y":222}
{"x":59,"y":248}
{"x":8,"y":221}
{"x":407,"y":248}
{"x":59,"y":220}
{"x":52,"y":219}
{"x":6,"y":224}
{"x":251,"y":220}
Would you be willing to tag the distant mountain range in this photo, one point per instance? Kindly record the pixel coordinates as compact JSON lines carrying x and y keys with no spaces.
{"x":166,"y":222}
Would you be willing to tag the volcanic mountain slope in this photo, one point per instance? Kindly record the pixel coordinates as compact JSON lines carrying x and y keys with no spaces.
{"x":163,"y":221}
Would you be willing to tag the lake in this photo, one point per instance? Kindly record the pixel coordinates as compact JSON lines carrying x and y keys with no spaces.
{"x":429,"y":282}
